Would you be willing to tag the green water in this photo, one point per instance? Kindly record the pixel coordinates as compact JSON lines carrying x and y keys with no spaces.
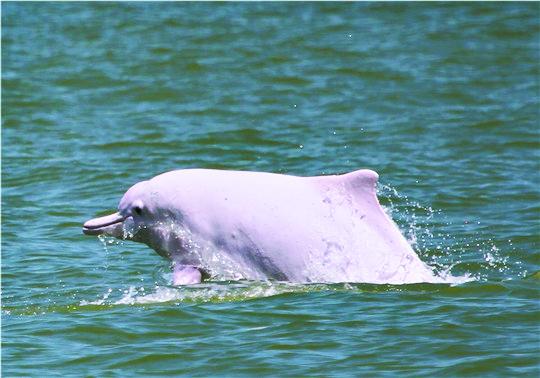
{"x":442,"y":100}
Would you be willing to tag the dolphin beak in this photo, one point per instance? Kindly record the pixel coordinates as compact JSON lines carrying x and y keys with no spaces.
{"x":108,"y":225}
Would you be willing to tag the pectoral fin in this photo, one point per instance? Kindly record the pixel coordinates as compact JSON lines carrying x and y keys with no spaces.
{"x":186,"y":275}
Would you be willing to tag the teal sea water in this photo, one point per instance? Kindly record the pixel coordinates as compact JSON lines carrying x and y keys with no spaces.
{"x":442,"y":100}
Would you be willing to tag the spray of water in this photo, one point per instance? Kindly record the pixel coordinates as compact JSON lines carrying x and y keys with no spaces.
{"x":457,"y":253}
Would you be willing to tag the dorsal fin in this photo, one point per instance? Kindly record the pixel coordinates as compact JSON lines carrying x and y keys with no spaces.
{"x":361,"y":180}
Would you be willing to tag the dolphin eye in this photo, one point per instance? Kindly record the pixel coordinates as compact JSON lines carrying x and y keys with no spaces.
{"x":137,"y":210}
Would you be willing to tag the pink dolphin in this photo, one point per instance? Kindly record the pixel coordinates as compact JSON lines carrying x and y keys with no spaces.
{"x":254,"y":225}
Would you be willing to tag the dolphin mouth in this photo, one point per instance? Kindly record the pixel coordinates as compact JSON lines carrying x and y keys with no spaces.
{"x":103,"y":225}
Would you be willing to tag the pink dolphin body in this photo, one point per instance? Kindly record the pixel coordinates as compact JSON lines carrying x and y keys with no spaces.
{"x":253,"y":225}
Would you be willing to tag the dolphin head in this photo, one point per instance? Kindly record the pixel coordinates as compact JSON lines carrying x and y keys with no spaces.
{"x":144,"y":215}
{"x":136,"y":212}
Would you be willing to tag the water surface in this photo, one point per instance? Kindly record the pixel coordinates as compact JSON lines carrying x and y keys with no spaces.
{"x":442,"y":100}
